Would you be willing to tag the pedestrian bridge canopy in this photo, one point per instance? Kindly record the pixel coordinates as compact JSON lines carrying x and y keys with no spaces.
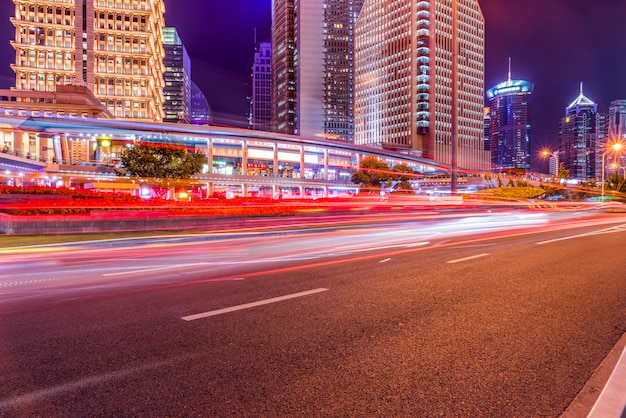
{"x":240,"y":162}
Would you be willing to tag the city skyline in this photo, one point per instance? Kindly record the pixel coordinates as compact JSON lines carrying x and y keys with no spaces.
{"x":556,"y":49}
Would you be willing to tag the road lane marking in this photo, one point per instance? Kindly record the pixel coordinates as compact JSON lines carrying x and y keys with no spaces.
{"x":385,"y":260}
{"x":619,"y":228}
{"x":252,"y":304}
{"x":459,"y":260}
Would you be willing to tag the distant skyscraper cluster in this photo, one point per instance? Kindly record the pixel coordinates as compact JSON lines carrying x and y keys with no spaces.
{"x":405,"y":75}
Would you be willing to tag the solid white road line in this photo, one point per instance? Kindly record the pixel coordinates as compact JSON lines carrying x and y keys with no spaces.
{"x":619,"y":228}
{"x":252,"y":305}
{"x":467,"y":258}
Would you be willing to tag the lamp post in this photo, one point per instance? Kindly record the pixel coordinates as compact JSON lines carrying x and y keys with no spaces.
{"x":616,"y":147}
{"x":555,"y":155}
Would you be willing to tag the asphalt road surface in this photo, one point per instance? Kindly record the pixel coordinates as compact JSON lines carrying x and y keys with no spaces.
{"x":503,"y":315}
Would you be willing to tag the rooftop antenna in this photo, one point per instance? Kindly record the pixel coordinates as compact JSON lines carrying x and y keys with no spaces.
{"x":509,"y":69}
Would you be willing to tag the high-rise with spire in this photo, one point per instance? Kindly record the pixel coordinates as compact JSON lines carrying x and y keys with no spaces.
{"x":405,"y":79}
{"x":261,"y":103}
{"x":581,"y":138}
{"x":115,"y":48}
{"x":509,"y":130}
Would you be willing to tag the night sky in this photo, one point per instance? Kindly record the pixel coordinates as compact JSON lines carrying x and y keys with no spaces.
{"x":555,"y":44}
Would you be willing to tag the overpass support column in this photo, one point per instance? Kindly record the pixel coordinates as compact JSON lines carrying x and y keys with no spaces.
{"x":275,"y":169}
{"x":65,"y":150}
{"x":326,"y":164}
{"x":244,"y":157}
{"x":209,"y":154}
{"x":301,"y":161}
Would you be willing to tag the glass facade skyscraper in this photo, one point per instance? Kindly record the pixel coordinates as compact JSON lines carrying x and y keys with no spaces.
{"x":261,"y":105}
{"x":404,"y":79}
{"x":509,"y":133}
{"x":177,"y":77}
{"x":581,"y":139}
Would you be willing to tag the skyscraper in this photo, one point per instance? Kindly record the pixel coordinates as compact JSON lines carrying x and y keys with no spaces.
{"x":404,"y":78}
{"x":617,"y":119}
{"x":177,"y":77}
{"x":312,"y":67}
{"x":115,"y":48}
{"x":510,"y":124}
{"x":261,"y":105}
{"x":581,"y":138}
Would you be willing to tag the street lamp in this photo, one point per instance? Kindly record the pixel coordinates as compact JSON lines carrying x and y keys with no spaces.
{"x":616,"y":147}
{"x":547,"y":153}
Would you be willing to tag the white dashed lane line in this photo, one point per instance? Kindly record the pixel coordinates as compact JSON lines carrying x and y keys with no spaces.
{"x":252,"y":305}
{"x":460,"y":260}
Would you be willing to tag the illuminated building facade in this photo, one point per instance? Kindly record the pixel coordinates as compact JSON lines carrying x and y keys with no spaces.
{"x":177,"y":77}
{"x":581,"y":139}
{"x":313,"y":67}
{"x":261,"y":105}
{"x":509,"y":138}
{"x":404,"y":79}
{"x":115,"y":48}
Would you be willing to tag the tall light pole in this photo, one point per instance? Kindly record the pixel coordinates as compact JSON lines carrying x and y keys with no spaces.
{"x":453,"y":139}
{"x":555,"y":155}
{"x":616,"y":147}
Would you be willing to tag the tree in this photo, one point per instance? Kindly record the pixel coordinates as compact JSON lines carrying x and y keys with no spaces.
{"x":373,"y":173}
{"x":402,"y":180}
{"x":615,"y":182}
{"x":161,"y":161}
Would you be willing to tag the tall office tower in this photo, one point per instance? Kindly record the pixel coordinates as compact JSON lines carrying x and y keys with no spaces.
{"x":617,"y":119}
{"x":200,"y":111}
{"x":261,"y":104}
{"x":510,"y":124}
{"x":115,"y":48}
{"x":313,"y":68}
{"x":177,"y":77}
{"x":581,"y":136}
{"x":404,"y":73}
